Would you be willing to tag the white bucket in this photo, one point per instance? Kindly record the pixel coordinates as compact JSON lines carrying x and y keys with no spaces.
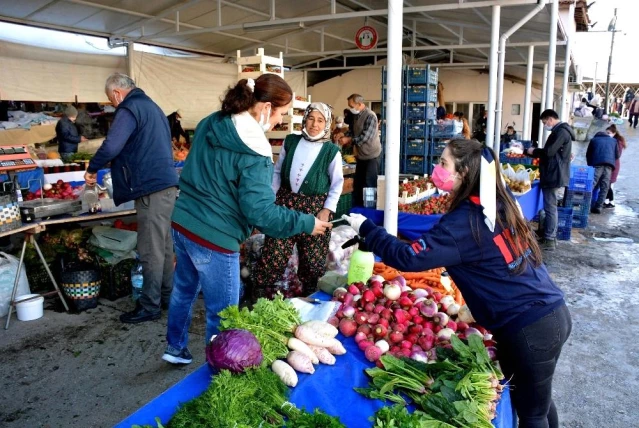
{"x":31,"y":310}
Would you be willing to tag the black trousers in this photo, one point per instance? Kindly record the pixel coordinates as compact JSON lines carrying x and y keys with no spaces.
{"x":365,"y":176}
{"x":528,"y":358}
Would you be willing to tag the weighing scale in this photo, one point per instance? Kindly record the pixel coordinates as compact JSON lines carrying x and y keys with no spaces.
{"x":15,"y":158}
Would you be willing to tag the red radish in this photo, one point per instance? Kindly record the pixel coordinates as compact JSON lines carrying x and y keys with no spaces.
{"x":452,"y":325}
{"x":406,"y":344}
{"x":405,"y":302}
{"x":441,"y":318}
{"x":396,"y":336}
{"x":488,"y":343}
{"x":348,"y":311}
{"x":462,"y":326}
{"x":446,"y":301}
{"x":59,"y":183}
{"x":416,"y":348}
{"x":359,"y":337}
{"x":369,"y":307}
{"x":492,"y":352}
{"x":380,"y":331}
{"x":400,"y":316}
{"x":387,"y":314}
{"x":373,"y":318}
{"x":382,"y":301}
{"x":437,"y":296}
{"x":378,"y":291}
{"x":473,"y":330}
{"x":461,"y":335}
{"x":426,"y":343}
{"x":364,"y":328}
{"x":388,"y":303}
{"x":415,"y":329}
{"x":365,"y":344}
{"x":383,"y":321}
{"x":445,"y":334}
{"x":428,"y":308}
{"x":481,"y":329}
{"x":376,"y":278}
{"x":394,"y":306}
{"x":405,"y":352}
{"x":392,"y":291}
{"x":394,"y":349}
{"x":348,"y":299}
{"x":361,"y":318}
{"x":413,"y":311}
{"x":400,"y":327}
{"x":360,"y":286}
{"x":373,"y":353}
{"x":383,"y":345}
{"x":428,"y":332}
{"x":437,"y":329}
{"x":339,"y":314}
{"x":368,"y":297}
{"x":417,"y":319}
{"x":379,"y":309}
{"x":370,"y":337}
{"x":412,"y":338}
{"x":334,"y":321}
{"x":353,"y":289}
{"x":347,"y":327}
{"x":412,"y":297}
{"x":379,"y":364}
{"x":488,"y":336}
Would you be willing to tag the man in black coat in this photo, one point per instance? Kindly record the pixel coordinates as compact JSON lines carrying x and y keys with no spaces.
{"x":554,"y":170}
{"x":67,"y":134}
{"x":602,"y":153}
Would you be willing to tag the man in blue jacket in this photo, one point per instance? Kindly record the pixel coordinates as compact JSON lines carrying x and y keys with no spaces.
{"x":554,"y":170}
{"x":138,"y":146}
{"x":67,"y":134}
{"x":602,"y":153}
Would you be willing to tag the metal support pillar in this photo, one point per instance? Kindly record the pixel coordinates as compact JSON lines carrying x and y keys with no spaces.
{"x":394,"y":113}
{"x":542,"y":134}
{"x":527,"y":95}
{"x":564,"y":108}
{"x":492,"y":76}
{"x":552,"y":53}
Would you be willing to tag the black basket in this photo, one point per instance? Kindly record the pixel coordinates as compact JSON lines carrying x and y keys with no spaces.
{"x":81,"y":284}
{"x":116,"y":279}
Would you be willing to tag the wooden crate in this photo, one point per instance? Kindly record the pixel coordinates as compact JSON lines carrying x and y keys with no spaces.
{"x":348,"y":185}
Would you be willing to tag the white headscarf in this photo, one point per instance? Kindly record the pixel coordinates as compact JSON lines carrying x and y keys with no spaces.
{"x":325,"y":110}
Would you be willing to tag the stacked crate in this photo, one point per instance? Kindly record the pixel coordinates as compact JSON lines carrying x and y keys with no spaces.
{"x":419,"y":96}
{"x":578,"y":195}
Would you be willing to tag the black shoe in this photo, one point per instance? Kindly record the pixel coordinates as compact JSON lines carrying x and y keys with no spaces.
{"x":165,"y":306}
{"x":138,"y":315}
{"x":596,"y":210}
{"x":549,"y":244}
{"x":608,"y":205}
{"x":176,"y":356}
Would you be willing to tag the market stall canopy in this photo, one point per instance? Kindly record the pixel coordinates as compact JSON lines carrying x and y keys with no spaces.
{"x":316,"y":34}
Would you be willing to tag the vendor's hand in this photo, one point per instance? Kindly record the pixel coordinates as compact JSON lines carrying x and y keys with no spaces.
{"x":90,"y":179}
{"x":324,"y":214}
{"x":83,"y":139}
{"x":355,"y":220}
{"x":321,"y":227}
{"x":530,"y":151}
{"x":346,"y":140}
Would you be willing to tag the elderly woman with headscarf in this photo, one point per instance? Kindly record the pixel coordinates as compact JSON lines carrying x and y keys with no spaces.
{"x":307,"y":178}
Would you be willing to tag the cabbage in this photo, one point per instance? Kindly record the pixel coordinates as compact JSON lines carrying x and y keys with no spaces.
{"x":234,"y":350}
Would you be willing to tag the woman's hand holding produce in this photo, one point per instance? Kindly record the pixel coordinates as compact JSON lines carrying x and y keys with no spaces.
{"x":355,"y":220}
{"x":321,"y":227}
{"x":324,"y":214}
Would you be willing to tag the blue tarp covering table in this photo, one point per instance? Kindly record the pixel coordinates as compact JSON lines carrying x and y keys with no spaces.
{"x":330,"y":388}
{"x":412,"y":226}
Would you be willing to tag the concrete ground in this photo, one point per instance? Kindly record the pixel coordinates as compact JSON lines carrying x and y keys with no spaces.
{"x":89,"y":370}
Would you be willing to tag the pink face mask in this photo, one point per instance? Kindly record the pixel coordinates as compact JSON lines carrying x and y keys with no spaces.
{"x":443,"y":179}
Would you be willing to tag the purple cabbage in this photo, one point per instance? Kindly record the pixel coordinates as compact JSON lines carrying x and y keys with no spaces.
{"x":234,"y":350}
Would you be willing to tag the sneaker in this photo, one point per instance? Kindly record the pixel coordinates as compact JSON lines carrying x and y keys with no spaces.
{"x":608,"y":205}
{"x":595,"y":210}
{"x":548,"y":244}
{"x":175,"y":356}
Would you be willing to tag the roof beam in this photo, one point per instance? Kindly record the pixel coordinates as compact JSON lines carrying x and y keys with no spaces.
{"x":350,"y":15}
{"x":164,"y":13}
{"x":43,"y":7}
{"x":469,"y":65}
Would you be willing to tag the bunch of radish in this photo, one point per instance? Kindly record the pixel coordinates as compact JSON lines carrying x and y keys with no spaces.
{"x":388,"y":316}
{"x":314,"y":343}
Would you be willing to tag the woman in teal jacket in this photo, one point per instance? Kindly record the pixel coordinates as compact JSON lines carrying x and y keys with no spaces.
{"x":225,"y":192}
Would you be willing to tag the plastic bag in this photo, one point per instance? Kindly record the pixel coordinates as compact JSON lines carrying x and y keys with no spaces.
{"x":8,"y":269}
{"x":338,"y":258}
{"x":119,"y":244}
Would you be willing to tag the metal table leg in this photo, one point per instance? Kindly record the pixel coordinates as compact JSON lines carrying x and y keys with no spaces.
{"x":46,"y":267}
{"x":16,"y":281}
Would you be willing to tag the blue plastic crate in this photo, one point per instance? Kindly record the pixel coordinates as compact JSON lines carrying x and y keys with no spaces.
{"x":579,"y":201}
{"x":415,"y":166}
{"x":417,"y":94}
{"x":443,"y":130}
{"x":581,"y":178}
{"x":433,"y":77}
{"x":416,"y":76}
{"x":579,"y":221}
{"x":564,"y":223}
{"x":431,"y":96}
{"x":430,"y":162}
{"x":437,"y":147}
{"x":431,"y":112}
{"x":416,"y":147}
{"x":415,"y":112}
{"x":416,"y":131}
{"x":513,"y":161}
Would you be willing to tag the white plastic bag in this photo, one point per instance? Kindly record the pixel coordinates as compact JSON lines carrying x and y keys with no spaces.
{"x":338,"y":258}
{"x":8,"y":269}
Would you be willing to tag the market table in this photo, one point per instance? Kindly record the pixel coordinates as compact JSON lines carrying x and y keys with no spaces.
{"x":412,"y":226}
{"x":330,"y":389}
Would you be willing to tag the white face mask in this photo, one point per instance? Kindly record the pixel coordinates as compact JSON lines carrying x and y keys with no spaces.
{"x":548,"y":127}
{"x":264,"y":121}
{"x":354,"y":110}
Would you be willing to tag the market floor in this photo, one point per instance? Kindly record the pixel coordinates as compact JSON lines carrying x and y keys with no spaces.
{"x":89,"y":370}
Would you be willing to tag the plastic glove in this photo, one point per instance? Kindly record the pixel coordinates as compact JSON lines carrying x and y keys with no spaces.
{"x":355,"y":221}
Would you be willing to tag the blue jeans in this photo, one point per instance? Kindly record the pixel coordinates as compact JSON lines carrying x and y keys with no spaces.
{"x":199,"y":268}
{"x":550,"y":209}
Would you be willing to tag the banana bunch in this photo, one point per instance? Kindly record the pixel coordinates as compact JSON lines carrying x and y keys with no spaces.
{"x":534,"y":174}
{"x":349,"y":159}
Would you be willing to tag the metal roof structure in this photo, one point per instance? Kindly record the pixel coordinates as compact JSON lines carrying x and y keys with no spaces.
{"x":312,"y":35}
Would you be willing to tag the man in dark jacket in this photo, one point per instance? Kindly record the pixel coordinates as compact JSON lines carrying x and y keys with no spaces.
{"x":554,"y":170}
{"x":67,"y":134}
{"x":602,"y":153}
{"x":176,"y":127}
{"x":138,"y":146}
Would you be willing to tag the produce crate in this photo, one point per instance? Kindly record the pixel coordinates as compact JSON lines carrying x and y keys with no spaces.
{"x":579,"y":221}
{"x":579,"y":202}
{"x":416,"y":147}
{"x":416,"y":131}
{"x":347,"y":187}
{"x":437,"y":147}
{"x":344,"y":205}
{"x":581,"y":178}
{"x":564,"y":223}
{"x":513,"y":161}
{"x":38,"y":277}
{"x":443,"y":130}
{"x":415,"y":112}
{"x":116,"y":279}
{"x":415,"y":166}
{"x":418,"y":94}
{"x":416,"y":76}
